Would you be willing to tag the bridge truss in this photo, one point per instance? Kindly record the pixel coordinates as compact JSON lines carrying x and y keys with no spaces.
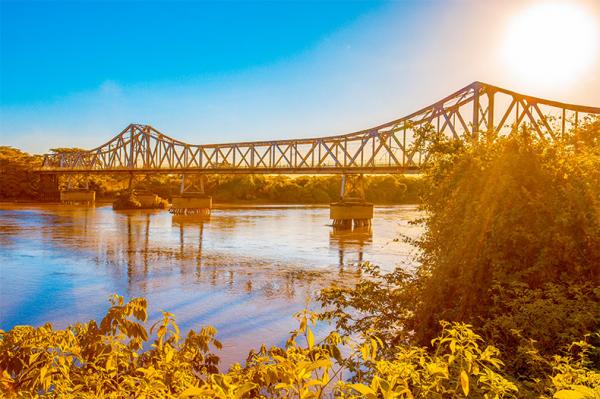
{"x":476,"y":109}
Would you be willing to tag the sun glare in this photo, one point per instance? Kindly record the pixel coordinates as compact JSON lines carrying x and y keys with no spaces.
{"x":551,"y":43}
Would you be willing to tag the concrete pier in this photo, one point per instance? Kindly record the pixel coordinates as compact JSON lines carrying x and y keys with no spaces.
{"x":351,"y":213}
{"x":48,"y":190}
{"x":72,"y":197}
{"x":191,"y":203}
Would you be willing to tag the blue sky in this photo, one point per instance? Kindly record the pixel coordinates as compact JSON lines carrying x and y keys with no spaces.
{"x":51,"y":49}
{"x":76,"y":73}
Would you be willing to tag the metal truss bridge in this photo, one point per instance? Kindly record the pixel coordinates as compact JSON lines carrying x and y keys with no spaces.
{"x":476,"y":109}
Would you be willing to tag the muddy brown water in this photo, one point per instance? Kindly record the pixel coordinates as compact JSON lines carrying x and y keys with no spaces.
{"x":246,"y":270}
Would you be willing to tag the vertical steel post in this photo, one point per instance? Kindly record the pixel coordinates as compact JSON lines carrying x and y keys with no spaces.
{"x":148,"y":163}
{"x":491,"y":93}
{"x":476,"y":112}
{"x":131,"y":147}
{"x":404,"y":146}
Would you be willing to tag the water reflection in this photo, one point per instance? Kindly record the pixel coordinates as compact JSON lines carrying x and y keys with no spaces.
{"x":244,"y":270}
{"x":192,"y":222}
{"x":350,"y":243}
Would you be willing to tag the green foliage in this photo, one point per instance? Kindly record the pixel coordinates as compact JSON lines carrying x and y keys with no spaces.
{"x":310,"y":189}
{"x":129,"y":200}
{"x":456,"y":366}
{"x":379,"y":301}
{"x":17,"y":178}
{"x":270,"y":189}
{"x":512,"y":247}
{"x":88,"y":360}
{"x":113,"y":360}
{"x":573,"y":376}
{"x":527,"y":256}
{"x":126,"y":200}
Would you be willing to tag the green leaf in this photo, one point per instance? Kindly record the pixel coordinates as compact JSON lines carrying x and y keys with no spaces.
{"x":282,"y":385}
{"x":191,"y":391}
{"x":464,"y":382}
{"x":170,"y":353}
{"x":568,"y":394}
{"x":310,"y":338}
{"x":244,"y":389}
{"x":364,"y":390}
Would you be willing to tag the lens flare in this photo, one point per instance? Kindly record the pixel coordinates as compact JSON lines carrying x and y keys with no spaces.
{"x":551,"y":43}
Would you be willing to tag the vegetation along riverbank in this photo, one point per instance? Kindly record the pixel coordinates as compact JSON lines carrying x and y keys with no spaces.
{"x":505,"y":304}
{"x":18,"y":181}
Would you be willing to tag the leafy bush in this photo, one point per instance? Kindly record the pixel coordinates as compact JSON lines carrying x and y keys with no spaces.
{"x":129,"y":200}
{"x":112,"y":359}
{"x":512,"y":246}
{"x":527,"y":253}
{"x":126,"y":200}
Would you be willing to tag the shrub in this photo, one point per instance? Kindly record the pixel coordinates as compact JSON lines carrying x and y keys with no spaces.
{"x":512,"y":247}
{"x":112,"y":359}
{"x":109,"y":359}
{"x":513,"y":221}
{"x":126,"y":200}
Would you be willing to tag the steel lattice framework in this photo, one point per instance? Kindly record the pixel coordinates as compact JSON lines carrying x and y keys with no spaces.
{"x":476,"y":109}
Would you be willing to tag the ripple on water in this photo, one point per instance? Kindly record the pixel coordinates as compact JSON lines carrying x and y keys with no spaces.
{"x":245,"y":271}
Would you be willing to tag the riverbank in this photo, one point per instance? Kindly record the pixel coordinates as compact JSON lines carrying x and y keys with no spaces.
{"x":217,"y":204}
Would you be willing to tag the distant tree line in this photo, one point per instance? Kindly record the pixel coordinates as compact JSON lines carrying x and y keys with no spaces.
{"x":386,"y":189}
{"x":18,"y":181}
{"x":17,"y":177}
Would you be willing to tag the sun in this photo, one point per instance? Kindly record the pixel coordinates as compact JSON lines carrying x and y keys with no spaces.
{"x":551,"y":43}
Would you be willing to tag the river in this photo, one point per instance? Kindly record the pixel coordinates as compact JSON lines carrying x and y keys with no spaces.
{"x":245,"y":271}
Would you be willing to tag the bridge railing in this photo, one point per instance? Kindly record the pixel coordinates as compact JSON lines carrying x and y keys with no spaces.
{"x":475,"y":109}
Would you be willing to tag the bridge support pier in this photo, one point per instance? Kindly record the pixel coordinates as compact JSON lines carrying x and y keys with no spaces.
{"x":76,"y":197}
{"x":191,"y":200}
{"x":352,"y":211}
{"x":48,"y":190}
{"x":191,"y":203}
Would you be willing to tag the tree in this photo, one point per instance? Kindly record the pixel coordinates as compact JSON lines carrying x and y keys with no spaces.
{"x":17,"y":177}
{"x":512,"y":247}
